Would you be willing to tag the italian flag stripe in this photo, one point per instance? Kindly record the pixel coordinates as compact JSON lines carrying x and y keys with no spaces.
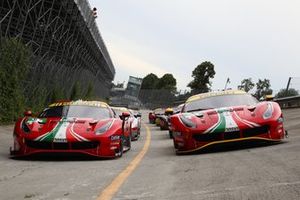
{"x":50,"y":137}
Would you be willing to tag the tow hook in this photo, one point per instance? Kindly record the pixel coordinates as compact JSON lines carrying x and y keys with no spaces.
{"x":286,"y":134}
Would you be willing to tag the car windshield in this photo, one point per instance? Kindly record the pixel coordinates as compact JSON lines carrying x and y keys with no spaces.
{"x":56,"y":111}
{"x":77,"y":111}
{"x":159,"y":111}
{"x":119,"y":111}
{"x":220,"y":101}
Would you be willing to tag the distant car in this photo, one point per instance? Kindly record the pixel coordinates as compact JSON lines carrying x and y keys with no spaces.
{"x":86,"y":127}
{"x":134,"y":121}
{"x":222,"y":117}
{"x":136,"y":124}
{"x":151,"y":117}
{"x":164,"y":119}
{"x":138,"y":120}
{"x":158,"y":112}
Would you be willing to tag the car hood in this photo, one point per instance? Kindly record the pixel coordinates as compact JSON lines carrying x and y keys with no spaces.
{"x":229,"y":119}
{"x":63,"y":129}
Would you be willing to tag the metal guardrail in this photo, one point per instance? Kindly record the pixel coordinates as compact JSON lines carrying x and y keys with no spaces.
{"x":86,"y":12}
{"x":289,"y":102}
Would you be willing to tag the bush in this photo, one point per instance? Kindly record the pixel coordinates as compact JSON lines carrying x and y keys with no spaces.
{"x":14,"y":66}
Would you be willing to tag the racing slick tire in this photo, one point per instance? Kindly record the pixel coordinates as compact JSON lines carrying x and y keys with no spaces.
{"x":170,"y":134}
{"x":128,"y":143}
{"x":119,"y":154}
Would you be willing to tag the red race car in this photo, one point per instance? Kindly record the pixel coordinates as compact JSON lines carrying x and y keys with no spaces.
{"x":136,"y":124}
{"x":87,"y":127}
{"x":227,"y":116}
{"x":151,"y":117}
{"x":164,"y":119}
{"x":133,"y":120}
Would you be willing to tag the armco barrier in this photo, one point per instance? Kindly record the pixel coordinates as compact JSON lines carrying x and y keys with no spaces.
{"x":289,"y":102}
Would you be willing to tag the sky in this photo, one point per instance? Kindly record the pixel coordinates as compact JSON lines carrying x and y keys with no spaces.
{"x":243,"y":39}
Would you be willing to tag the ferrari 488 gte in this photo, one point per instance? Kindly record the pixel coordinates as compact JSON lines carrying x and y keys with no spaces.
{"x":86,"y":127}
{"x":227,"y":116}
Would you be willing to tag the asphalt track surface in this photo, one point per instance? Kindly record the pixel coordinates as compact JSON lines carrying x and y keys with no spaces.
{"x":231,"y":172}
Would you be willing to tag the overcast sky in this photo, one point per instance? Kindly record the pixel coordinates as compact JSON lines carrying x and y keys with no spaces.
{"x":242,"y":38}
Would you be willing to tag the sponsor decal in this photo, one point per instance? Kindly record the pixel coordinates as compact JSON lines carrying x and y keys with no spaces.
{"x":232,"y":129}
{"x":60,"y":140}
{"x":59,"y":132}
{"x":80,"y":103}
{"x":115,"y":137}
{"x":225,"y":122}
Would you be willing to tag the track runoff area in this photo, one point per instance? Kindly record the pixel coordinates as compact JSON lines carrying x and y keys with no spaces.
{"x":151,"y":170}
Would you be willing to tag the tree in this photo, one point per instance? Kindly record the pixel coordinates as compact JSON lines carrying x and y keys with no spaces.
{"x":14,"y":66}
{"x":263,"y":88}
{"x":90,"y":92}
{"x":167,"y":82}
{"x":150,"y":81}
{"x":289,"y":93}
{"x":246,"y":85}
{"x":75,"y":94}
{"x":56,"y":94}
{"x":201,"y":74}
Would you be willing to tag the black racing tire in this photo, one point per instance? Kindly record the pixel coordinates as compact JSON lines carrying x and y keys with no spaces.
{"x":120,"y":150}
{"x":175,"y":145}
{"x":137,"y":136}
{"x":170,"y":134}
{"x":128,"y":142}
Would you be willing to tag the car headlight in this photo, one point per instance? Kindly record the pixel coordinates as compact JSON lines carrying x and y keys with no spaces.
{"x":269,"y":111}
{"x":103,"y":128}
{"x":187,"y":122}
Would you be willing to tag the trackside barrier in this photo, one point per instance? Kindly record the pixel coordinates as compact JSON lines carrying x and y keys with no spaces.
{"x":289,"y":102}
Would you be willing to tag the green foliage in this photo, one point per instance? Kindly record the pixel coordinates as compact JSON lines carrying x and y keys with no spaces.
{"x":76,"y":91}
{"x":38,"y":99}
{"x":263,"y":88}
{"x":246,"y":85}
{"x":283,"y":93}
{"x":149,"y":82}
{"x":202,"y":75}
{"x":167,"y":82}
{"x":89,"y":95}
{"x":158,"y":91}
{"x":14,"y":66}
{"x":56,"y":94}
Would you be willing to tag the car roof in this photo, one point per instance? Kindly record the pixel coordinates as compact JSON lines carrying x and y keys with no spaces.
{"x":213,"y":94}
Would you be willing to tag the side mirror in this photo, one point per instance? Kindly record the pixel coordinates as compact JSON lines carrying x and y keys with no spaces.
{"x":125,"y":115}
{"x":28,"y":113}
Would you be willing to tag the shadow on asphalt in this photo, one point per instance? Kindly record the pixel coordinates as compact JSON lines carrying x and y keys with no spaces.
{"x":163,"y":136}
{"x":237,"y":146}
{"x":59,"y":157}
